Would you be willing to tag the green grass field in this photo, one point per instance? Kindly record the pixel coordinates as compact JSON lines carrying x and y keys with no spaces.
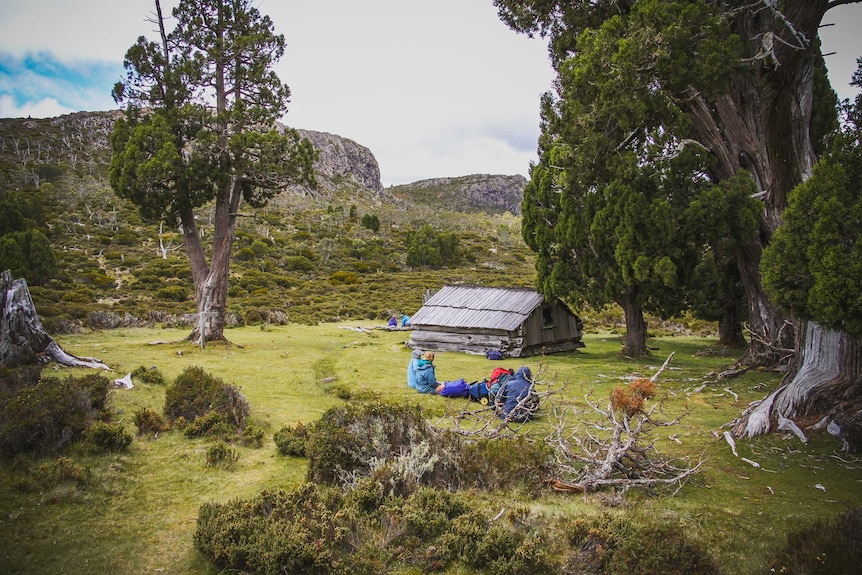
{"x":138,"y":514}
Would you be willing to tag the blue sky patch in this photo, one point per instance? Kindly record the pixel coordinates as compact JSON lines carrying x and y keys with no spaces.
{"x":27,"y":83}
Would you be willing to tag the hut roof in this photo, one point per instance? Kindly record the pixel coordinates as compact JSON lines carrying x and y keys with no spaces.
{"x":478,"y":308}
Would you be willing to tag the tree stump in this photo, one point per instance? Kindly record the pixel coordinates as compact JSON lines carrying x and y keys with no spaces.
{"x":23,"y":339}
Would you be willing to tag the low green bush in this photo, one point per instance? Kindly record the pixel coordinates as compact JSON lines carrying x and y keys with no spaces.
{"x":104,"y":437}
{"x":252,"y":436}
{"x":292,"y":440}
{"x":53,"y":474}
{"x":613,"y":546}
{"x":211,"y":424}
{"x":149,"y":421}
{"x":195,"y":393}
{"x":221,"y":455}
{"x":316,"y":529}
{"x":148,"y":375}
{"x":277,"y":532}
{"x":176,"y":293}
{"x":48,"y":416}
{"x":393,"y":443}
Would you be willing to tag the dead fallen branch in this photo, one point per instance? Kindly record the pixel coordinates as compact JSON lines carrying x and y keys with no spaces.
{"x":595,"y":447}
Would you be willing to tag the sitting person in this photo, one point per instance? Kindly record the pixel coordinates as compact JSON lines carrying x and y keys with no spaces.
{"x":517,"y":401}
{"x":393,"y":321}
{"x":426,"y":379}
{"x":411,"y":367}
{"x":405,"y":320}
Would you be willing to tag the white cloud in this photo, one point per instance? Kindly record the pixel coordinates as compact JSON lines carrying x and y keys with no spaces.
{"x":45,"y":108}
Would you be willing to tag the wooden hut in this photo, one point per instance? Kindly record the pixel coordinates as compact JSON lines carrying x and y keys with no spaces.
{"x":518,"y":322}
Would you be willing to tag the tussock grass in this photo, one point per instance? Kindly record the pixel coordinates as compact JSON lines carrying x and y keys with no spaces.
{"x":137,"y":514}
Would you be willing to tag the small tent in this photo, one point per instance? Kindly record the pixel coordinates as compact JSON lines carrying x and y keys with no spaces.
{"x":516,"y":321}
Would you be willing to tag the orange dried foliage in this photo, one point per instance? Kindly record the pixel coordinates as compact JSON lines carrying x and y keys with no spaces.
{"x":630,"y":399}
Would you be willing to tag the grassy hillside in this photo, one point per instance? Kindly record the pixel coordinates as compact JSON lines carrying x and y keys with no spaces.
{"x":138,"y":511}
{"x":307,"y":257}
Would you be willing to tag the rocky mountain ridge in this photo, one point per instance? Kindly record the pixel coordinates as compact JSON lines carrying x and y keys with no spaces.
{"x":33,"y":151}
{"x":494,"y":194}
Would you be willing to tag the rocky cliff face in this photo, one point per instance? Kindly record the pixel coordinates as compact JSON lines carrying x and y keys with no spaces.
{"x":343,"y":159}
{"x":479,"y":192}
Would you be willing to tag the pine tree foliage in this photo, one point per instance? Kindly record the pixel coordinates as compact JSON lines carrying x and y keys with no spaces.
{"x":199,"y":129}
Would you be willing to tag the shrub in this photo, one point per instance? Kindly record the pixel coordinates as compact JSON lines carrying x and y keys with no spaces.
{"x":344,"y":278}
{"x":14,"y":379}
{"x":252,"y":436}
{"x":176,"y":293}
{"x":371,"y":221}
{"x":104,"y":437}
{"x":505,"y":463}
{"x":826,"y":547}
{"x":277,"y":532}
{"x":298,"y":263}
{"x":149,"y":421}
{"x":52,"y":474}
{"x":210,"y":424}
{"x":618,"y":547}
{"x":221,"y":455}
{"x":292,"y":440}
{"x":148,"y":375}
{"x":195,"y":393}
{"x":392,"y":443}
{"x":48,"y":416}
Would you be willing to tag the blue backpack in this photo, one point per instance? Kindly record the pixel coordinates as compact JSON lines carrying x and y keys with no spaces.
{"x":495,"y":354}
{"x":479,"y":392}
{"x":456,"y":388}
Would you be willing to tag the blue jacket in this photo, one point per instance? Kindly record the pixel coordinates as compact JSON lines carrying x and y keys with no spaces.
{"x":411,"y":368}
{"x":426,"y":379}
{"x":517,"y":388}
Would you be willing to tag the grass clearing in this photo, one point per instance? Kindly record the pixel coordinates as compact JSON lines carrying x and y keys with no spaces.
{"x":138,"y":513}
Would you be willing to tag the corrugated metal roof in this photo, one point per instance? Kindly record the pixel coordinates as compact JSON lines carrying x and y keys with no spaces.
{"x":477,"y":307}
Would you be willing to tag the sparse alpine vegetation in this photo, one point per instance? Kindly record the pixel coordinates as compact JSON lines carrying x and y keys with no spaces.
{"x":290,"y":259}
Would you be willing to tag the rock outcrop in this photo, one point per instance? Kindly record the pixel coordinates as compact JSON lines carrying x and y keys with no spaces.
{"x":343,"y":159}
{"x":493,"y":194}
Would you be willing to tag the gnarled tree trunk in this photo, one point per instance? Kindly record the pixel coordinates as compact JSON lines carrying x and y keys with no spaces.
{"x":23,"y":340}
{"x":827,"y":383}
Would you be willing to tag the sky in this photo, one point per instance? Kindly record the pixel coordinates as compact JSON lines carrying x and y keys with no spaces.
{"x":434,"y":88}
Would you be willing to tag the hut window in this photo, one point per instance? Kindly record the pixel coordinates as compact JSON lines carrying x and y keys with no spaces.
{"x":547,"y":317}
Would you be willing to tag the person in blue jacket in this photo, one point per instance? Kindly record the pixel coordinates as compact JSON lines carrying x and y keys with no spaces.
{"x":516,"y":399}
{"x":411,"y":367}
{"x":426,"y":379}
{"x":405,"y":320}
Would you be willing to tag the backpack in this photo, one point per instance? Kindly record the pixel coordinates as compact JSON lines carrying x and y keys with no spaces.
{"x":495,"y":354}
{"x":456,"y":388}
{"x":479,"y":392}
{"x":500,"y":375}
